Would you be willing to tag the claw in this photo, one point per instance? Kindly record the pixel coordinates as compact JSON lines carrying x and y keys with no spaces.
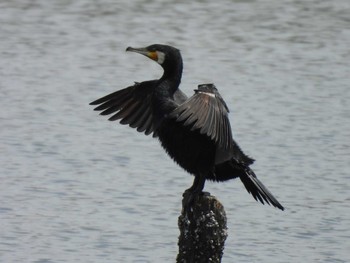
{"x":189,"y":198}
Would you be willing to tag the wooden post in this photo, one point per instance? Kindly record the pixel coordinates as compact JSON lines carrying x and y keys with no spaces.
{"x":202,"y":232}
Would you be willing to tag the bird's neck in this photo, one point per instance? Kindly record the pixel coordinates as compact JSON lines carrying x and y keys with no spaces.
{"x":163,"y":96}
{"x":173,"y":75}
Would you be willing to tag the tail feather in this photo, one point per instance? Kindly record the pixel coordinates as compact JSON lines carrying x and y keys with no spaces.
{"x":257,"y":189}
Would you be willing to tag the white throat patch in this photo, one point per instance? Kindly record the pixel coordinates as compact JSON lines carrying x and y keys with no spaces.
{"x":161,"y":57}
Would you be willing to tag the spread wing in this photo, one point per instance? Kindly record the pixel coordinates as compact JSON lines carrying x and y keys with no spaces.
{"x":207,"y":111}
{"x":131,"y":105}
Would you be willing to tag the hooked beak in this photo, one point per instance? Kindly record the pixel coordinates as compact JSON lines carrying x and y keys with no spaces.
{"x":144,"y":51}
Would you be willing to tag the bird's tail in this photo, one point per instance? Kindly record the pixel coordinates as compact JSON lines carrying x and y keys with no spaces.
{"x":255,"y":187}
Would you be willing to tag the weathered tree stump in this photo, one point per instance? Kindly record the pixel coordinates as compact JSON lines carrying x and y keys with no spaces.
{"x":202,"y":232}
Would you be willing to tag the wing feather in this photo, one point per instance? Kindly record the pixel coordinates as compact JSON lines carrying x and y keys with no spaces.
{"x":139,"y":116}
{"x":207,"y":112}
{"x":203,"y":118}
{"x":213,"y":123}
{"x":131,"y":105}
{"x":122,"y":111}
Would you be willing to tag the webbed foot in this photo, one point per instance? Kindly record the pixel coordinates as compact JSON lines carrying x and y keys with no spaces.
{"x":190,"y":195}
{"x":189,"y":198}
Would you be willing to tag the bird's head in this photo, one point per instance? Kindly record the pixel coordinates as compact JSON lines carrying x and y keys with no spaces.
{"x":164,"y":55}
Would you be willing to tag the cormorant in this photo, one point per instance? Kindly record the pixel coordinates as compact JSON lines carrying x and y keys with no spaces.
{"x":194,"y":131}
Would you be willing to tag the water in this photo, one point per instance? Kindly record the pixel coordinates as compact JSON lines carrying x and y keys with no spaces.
{"x":77,"y":188}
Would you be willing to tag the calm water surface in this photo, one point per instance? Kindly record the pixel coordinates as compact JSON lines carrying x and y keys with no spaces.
{"x":77,"y":188}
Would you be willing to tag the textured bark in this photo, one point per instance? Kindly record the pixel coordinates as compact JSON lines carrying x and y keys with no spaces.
{"x":202,"y":232}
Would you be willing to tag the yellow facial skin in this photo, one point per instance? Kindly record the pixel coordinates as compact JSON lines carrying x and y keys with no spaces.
{"x":153,"y":55}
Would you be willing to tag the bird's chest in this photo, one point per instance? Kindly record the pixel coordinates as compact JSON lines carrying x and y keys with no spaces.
{"x":191,"y":150}
{"x":162,"y":106}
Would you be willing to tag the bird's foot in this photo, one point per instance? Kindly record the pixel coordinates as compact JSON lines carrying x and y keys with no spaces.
{"x":188,"y":201}
{"x":189,"y":198}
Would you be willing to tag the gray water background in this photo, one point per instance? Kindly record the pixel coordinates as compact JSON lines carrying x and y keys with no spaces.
{"x":77,"y":188}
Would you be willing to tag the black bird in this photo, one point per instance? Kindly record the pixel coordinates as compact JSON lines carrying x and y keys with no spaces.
{"x":194,"y":131}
